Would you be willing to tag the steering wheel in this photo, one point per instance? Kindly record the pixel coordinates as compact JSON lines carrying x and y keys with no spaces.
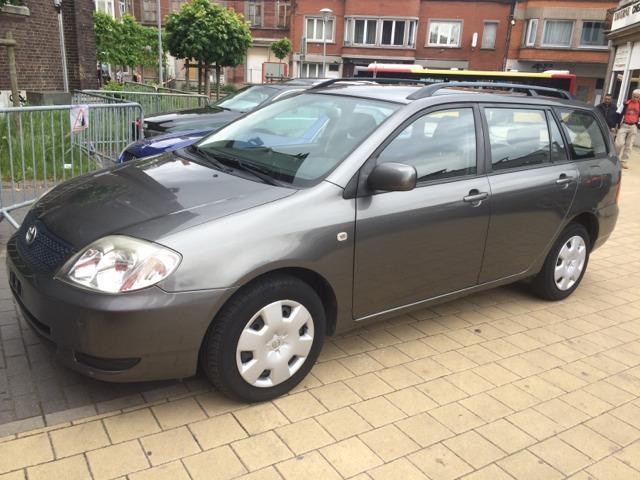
{"x":264,"y":130}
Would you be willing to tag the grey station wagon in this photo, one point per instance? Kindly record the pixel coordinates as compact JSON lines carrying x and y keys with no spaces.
{"x":339,"y":206}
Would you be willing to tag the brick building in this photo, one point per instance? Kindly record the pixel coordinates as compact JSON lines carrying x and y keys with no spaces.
{"x":269,"y":20}
{"x":35,"y":27}
{"x":465,"y":34}
{"x":562,"y":35}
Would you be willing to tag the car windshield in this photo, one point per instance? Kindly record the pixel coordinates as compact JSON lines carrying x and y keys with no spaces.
{"x":299,"y":140}
{"x":247,"y":98}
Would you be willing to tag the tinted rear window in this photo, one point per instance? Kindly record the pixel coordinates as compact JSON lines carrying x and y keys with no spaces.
{"x":583,"y":132}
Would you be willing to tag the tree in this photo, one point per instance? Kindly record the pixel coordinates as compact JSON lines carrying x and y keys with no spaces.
{"x":282,"y":48}
{"x":125,"y":43}
{"x":210,"y":34}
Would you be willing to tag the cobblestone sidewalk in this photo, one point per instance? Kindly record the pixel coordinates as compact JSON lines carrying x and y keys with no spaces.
{"x":498,"y":385}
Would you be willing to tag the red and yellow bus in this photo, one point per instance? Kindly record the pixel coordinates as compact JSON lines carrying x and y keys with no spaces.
{"x":560,"y":79}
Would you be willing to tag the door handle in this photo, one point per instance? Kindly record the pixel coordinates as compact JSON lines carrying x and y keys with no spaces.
{"x":564,"y":179}
{"x":475,"y":197}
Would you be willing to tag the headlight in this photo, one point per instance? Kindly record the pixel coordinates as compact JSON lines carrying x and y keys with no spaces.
{"x":117,"y":264}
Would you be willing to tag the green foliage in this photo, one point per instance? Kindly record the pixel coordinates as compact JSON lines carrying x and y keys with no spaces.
{"x":282,"y":48}
{"x":113,"y":86}
{"x":10,"y":2}
{"x":209,"y":33}
{"x":125,"y":42}
{"x":229,"y":88}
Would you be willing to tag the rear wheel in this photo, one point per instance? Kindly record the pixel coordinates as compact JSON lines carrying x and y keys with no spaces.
{"x":265,"y":340}
{"x":565,"y":264}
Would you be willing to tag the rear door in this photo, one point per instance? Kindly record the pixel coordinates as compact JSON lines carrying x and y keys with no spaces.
{"x":533,"y":184}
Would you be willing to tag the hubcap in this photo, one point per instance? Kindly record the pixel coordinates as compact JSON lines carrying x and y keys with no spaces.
{"x":275,"y":343}
{"x":570,"y":263}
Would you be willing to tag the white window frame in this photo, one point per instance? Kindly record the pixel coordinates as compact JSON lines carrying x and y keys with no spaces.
{"x":544,"y":29}
{"x":282,"y":5}
{"x":109,"y":7}
{"x":304,"y":70}
{"x":484,"y":27}
{"x":532,"y":29}
{"x":252,"y":4}
{"x":451,"y":22}
{"x":318,"y":22}
{"x":586,"y":45}
{"x":408,"y":40}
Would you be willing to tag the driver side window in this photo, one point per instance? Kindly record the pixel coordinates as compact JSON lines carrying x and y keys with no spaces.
{"x":439,"y":145}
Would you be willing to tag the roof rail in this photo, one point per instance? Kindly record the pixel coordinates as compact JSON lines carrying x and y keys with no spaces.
{"x":369,"y":80}
{"x":530,"y":90}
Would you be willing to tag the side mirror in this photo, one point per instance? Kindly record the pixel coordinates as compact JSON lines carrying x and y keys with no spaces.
{"x":393,"y":177}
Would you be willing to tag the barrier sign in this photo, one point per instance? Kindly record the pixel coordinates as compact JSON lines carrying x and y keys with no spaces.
{"x":79,"y":116}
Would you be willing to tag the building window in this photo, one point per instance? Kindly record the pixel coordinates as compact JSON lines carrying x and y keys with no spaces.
{"x":254,"y":13}
{"x":315,"y":30}
{"x":311,"y":70}
{"x":531,"y":32}
{"x":105,"y":6}
{"x":149,"y":11}
{"x":177,"y":5}
{"x":123,"y":8}
{"x":557,"y":33}
{"x":365,"y":32}
{"x":393,"y":32}
{"x":376,"y":32}
{"x":444,"y":33}
{"x":282,"y":14}
{"x":593,"y":34}
{"x":489,"y":35}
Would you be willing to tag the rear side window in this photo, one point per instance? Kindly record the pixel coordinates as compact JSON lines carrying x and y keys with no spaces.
{"x":518,"y":137}
{"x":558,"y":152}
{"x":583,"y":132}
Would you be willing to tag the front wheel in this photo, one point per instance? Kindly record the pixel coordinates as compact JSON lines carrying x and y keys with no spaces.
{"x":565,"y":264}
{"x":265,"y":340}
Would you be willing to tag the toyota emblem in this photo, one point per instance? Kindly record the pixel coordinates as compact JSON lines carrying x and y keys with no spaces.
{"x":32,"y":233}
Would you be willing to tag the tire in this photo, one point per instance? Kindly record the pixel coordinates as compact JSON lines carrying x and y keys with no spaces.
{"x":263,"y":318}
{"x":575,"y":246}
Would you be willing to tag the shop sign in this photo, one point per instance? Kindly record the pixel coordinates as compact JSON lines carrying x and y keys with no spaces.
{"x":625,"y":16}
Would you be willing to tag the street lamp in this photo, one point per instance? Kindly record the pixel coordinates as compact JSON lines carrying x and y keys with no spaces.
{"x":65,"y":74}
{"x":326,"y":13}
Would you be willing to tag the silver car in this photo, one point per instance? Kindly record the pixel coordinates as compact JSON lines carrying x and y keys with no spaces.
{"x":339,"y":206}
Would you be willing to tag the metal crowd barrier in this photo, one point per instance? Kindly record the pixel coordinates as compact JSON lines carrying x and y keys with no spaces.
{"x":143,"y":87}
{"x":155,"y":102}
{"x":39,"y":148}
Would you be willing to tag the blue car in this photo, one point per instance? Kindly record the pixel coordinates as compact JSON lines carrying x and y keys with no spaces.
{"x":175,"y":130}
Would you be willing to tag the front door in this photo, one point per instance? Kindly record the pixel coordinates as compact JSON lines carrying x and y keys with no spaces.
{"x":532,"y":185}
{"x":416,"y":245}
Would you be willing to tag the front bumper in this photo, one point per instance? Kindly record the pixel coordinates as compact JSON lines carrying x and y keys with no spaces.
{"x":145,"y":335}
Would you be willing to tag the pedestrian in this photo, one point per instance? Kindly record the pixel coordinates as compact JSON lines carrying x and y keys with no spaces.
{"x":608,"y":110}
{"x":119,"y":76}
{"x":628,"y":130}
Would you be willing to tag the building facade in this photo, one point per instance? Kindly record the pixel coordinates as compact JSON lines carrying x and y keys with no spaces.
{"x":623,"y":73}
{"x":34,"y":25}
{"x":562,"y":35}
{"x":465,"y":34}
{"x":269,"y":21}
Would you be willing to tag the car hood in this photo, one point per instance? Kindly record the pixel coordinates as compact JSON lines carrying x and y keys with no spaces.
{"x":199,"y":118}
{"x":148,"y":199}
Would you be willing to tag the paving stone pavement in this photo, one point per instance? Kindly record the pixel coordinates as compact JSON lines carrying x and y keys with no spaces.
{"x":499,"y":385}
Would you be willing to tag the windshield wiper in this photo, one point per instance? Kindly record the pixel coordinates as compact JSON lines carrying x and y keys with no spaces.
{"x":210,"y":158}
{"x":237,"y":164}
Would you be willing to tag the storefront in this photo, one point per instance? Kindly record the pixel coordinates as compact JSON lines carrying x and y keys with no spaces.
{"x":623,"y":74}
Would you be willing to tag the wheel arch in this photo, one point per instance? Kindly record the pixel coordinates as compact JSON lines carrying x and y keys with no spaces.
{"x":316,"y":281}
{"x":589,"y":221}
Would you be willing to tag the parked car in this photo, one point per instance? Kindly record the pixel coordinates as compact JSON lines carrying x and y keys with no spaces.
{"x":171,"y":131}
{"x":322,"y":212}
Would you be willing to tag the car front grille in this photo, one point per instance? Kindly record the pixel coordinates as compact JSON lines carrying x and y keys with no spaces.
{"x":47,"y":252}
